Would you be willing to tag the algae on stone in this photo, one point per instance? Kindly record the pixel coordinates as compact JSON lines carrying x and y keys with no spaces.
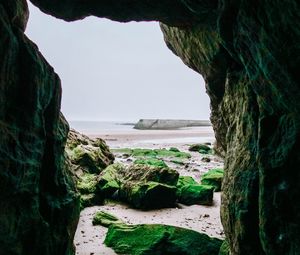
{"x":87,"y":155}
{"x":156,"y":239}
{"x":189,"y":192}
{"x":151,"y":162}
{"x":108,"y":181}
{"x":224,"y":249}
{"x":105,"y":219}
{"x":155,"y":153}
{"x":149,"y":187}
{"x":213,"y":177}
{"x":199,"y":147}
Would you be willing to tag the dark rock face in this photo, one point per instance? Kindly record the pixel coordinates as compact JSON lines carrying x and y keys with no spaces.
{"x":247,"y":51}
{"x":39,"y":207}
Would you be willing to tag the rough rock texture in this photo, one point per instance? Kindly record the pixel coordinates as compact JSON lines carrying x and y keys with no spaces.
{"x":39,"y":207}
{"x":87,"y":155}
{"x":247,"y":51}
{"x":189,"y":192}
{"x":148,"y":187}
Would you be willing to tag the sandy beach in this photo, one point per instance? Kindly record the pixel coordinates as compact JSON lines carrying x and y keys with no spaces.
{"x":205,"y":219}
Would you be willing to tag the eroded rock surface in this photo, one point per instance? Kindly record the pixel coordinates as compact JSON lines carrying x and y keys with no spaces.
{"x":248,"y":53}
{"x":39,"y":206}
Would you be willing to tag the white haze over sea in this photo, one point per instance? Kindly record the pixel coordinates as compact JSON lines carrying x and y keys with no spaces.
{"x":115,"y":71}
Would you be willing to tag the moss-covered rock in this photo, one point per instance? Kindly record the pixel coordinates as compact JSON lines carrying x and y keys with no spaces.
{"x":105,"y":219}
{"x":200,"y":147}
{"x":159,"y":240}
{"x":213,"y":177}
{"x":149,"y":187}
{"x":108,"y":181}
{"x":151,"y":162}
{"x":86,"y":184}
{"x":189,"y":192}
{"x":156,"y":153}
{"x":86,"y":154}
{"x":224,"y":249}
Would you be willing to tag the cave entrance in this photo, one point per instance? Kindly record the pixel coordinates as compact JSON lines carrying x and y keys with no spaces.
{"x":114,"y":73}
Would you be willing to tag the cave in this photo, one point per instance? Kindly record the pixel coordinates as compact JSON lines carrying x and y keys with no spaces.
{"x":248,"y":54}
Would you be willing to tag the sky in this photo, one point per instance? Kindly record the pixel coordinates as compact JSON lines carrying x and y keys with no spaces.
{"x":117,"y":71}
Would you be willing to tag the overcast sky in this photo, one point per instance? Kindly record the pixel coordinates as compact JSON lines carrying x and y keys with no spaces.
{"x":116,"y":71}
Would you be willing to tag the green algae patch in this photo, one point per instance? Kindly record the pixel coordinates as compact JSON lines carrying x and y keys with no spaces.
{"x":109,"y":180}
{"x":105,"y":219}
{"x":224,"y":249}
{"x":189,"y":192}
{"x":201,"y":148}
{"x":87,"y":183}
{"x":214,"y":178}
{"x":178,"y":162}
{"x":157,"y":239}
{"x":156,"y":153}
{"x":87,"y":187}
{"x":151,"y":162}
{"x":149,"y":187}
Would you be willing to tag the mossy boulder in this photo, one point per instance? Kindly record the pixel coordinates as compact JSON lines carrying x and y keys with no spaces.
{"x":108,"y":181}
{"x":156,"y":153}
{"x":201,"y":148}
{"x":149,"y":187}
{"x":159,"y":239}
{"x":87,"y":187}
{"x":224,"y":249}
{"x":189,"y":192}
{"x":105,"y":219}
{"x":87,"y":155}
{"x":214,"y":178}
{"x":151,"y":162}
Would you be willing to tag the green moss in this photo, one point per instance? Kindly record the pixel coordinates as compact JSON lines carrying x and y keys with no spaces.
{"x":105,"y":219}
{"x":159,"y":240}
{"x":224,"y":249}
{"x":196,"y":194}
{"x":148,"y":195}
{"x":178,"y":162}
{"x":87,"y":183}
{"x":157,"y":153}
{"x":87,"y":200}
{"x":151,"y":162}
{"x":109,"y":180}
{"x":174,"y":149}
{"x":214,"y":178}
{"x":185,"y":180}
{"x":198,"y":147}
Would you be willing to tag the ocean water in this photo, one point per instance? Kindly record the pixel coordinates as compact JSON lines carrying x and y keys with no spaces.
{"x":94,"y":127}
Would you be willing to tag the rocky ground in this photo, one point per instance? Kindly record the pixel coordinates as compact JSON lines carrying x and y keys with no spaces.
{"x":205,"y":219}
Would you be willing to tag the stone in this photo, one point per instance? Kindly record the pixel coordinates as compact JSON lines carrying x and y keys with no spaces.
{"x":39,"y":204}
{"x":148,"y":187}
{"x":151,"y":162}
{"x":105,"y":219}
{"x":189,"y":192}
{"x":200,"y":147}
{"x":87,"y":155}
{"x":109,"y":180}
{"x":224,"y":249}
{"x":159,"y":240}
{"x":213,"y":177}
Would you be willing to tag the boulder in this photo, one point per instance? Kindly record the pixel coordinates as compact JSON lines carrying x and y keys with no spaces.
{"x":149,"y":187}
{"x":87,"y":155}
{"x":203,"y":148}
{"x":189,"y":192}
{"x":213,"y":177}
{"x":159,"y":239}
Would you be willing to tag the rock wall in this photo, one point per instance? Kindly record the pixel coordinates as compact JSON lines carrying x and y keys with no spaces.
{"x":39,"y":208}
{"x":247,"y":51}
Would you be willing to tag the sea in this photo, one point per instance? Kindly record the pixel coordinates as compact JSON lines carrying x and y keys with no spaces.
{"x":94,"y":127}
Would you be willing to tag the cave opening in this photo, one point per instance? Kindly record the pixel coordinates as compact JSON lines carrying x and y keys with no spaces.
{"x":115,"y":73}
